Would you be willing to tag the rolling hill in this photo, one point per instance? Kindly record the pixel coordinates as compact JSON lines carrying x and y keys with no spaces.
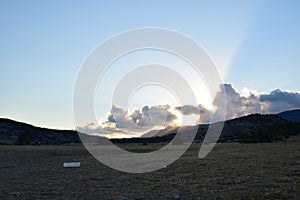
{"x":291,"y":115}
{"x":13,"y":132}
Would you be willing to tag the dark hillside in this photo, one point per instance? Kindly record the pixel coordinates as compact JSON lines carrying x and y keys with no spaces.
{"x":292,"y":115}
{"x":13,"y":132}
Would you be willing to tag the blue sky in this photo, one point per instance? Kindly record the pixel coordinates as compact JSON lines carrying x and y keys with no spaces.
{"x":254,"y":44}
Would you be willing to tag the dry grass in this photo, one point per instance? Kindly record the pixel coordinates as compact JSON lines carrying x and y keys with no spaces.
{"x":230,"y":171}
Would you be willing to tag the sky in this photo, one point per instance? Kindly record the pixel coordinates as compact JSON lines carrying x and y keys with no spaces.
{"x":254,"y":44}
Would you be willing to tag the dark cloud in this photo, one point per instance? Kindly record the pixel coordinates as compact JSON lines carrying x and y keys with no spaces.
{"x":279,"y":101}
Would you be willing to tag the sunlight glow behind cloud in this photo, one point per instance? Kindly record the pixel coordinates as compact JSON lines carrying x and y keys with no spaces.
{"x":238,"y":104}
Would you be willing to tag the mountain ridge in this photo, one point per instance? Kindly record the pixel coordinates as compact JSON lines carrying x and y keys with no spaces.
{"x":14,"y":132}
{"x":290,"y":115}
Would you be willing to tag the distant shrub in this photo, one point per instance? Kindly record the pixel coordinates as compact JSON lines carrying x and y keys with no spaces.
{"x":275,"y":132}
{"x":285,"y":130}
{"x":24,"y":138}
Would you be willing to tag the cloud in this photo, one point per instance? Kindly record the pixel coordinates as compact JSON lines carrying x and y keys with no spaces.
{"x":121,"y":122}
{"x":205,"y":114}
{"x":238,"y":105}
{"x":143,"y":119}
{"x":249,"y":102}
{"x":278,"y":101}
{"x":90,"y":128}
{"x":104,"y":130}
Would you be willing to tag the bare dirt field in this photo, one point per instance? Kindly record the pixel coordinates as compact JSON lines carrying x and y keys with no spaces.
{"x":230,"y":171}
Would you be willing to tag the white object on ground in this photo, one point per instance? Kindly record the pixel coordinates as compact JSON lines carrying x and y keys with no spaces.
{"x":71,"y":164}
